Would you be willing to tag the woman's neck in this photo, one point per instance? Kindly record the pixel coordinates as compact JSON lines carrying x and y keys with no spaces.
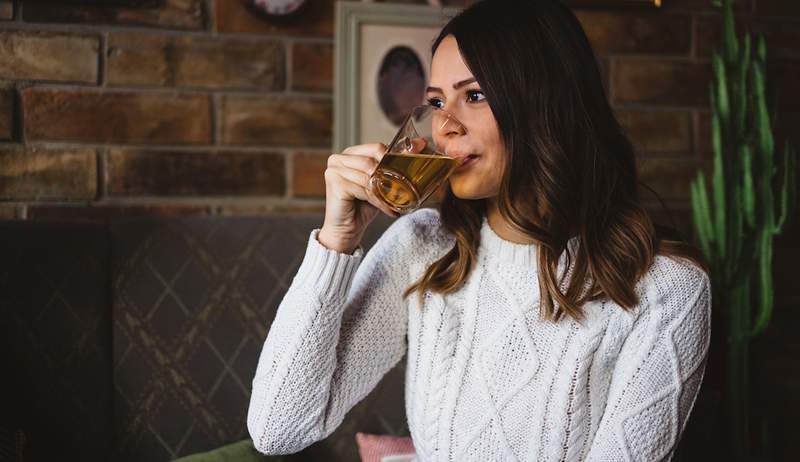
{"x":502,"y":228}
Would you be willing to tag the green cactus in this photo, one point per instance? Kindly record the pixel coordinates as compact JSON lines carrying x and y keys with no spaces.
{"x":736,"y":224}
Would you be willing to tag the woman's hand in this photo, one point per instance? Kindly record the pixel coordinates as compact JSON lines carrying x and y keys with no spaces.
{"x":349,"y":204}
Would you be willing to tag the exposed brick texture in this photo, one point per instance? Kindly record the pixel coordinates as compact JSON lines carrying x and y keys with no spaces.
{"x":312,"y":67}
{"x":116,"y":117}
{"x":134,"y":59}
{"x":649,"y":81}
{"x":7,"y":107}
{"x":48,"y":57}
{"x":277,"y":121}
{"x":163,"y":173}
{"x":309,"y":168}
{"x":47,"y":174}
{"x":171,"y":14}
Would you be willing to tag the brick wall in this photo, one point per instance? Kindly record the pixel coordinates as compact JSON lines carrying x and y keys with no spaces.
{"x":198,"y":107}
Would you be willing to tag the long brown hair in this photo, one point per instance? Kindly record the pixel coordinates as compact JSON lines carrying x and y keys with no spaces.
{"x":571,"y":170}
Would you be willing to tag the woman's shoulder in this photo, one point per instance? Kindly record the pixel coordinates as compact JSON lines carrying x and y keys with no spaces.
{"x":676,"y":285}
{"x":417,"y":238}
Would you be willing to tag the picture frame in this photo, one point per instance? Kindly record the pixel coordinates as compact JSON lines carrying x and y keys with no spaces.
{"x":365,"y":34}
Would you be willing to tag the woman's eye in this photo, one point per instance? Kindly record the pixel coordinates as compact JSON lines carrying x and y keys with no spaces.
{"x":435,"y":102}
{"x":475,"y":96}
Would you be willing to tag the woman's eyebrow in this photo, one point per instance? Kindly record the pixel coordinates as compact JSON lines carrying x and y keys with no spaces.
{"x":456,"y":86}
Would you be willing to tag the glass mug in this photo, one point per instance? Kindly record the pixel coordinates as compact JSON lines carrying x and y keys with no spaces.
{"x":414,"y":164}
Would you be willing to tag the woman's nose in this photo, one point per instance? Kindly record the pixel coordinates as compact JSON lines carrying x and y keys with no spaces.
{"x":446,"y":124}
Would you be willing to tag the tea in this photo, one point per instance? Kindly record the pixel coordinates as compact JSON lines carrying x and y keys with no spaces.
{"x":405,"y":180}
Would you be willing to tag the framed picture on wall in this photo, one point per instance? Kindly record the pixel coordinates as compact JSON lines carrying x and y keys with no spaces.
{"x":382,"y":64}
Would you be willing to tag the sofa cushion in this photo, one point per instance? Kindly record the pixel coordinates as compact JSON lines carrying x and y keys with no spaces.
{"x":55,"y":338}
{"x":193,"y":299}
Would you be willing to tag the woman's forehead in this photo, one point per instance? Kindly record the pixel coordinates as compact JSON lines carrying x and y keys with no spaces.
{"x":448,"y":67}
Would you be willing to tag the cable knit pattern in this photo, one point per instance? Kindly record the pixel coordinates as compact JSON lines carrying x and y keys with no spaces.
{"x":486,"y":377}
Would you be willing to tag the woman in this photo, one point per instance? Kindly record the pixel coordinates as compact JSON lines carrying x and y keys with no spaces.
{"x":551,"y":323}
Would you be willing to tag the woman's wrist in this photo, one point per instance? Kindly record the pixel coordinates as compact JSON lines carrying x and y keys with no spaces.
{"x":336,"y":244}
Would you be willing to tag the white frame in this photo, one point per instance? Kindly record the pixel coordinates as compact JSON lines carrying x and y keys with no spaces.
{"x":350,"y":17}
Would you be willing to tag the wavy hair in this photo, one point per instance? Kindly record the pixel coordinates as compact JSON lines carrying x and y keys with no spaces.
{"x":571,"y":171}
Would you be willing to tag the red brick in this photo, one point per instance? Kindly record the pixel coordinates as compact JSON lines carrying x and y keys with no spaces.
{"x":105,"y":212}
{"x":308,"y":175}
{"x":703,"y":134}
{"x":230,"y":63}
{"x":316,"y":20}
{"x":782,"y":37}
{"x":708,"y":32}
{"x":636,"y":32}
{"x":312,"y":67}
{"x":658,"y":131}
{"x":784,"y":77}
{"x":137,"y":59}
{"x":784,"y":273}
{"x":163,"y":173}
{"x":8,"y":212}
{"x":678,"y":83}
{"x":48,"y":174}
{"x":52,"y":57}
{"x":271,"y":209}
{"x":778,"y":8}
{"x":277,"y":121}
{"x":6,"y":113}
{"x":786,"y":128}
{"x":104,"y":116}
{"x":173,"y":14}
{"x":196,"y":62}
{"x":6,"y":10}
{"x":670,"y":178}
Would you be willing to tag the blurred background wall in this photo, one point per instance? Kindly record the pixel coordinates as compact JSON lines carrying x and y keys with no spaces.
{"x":143,"y":107}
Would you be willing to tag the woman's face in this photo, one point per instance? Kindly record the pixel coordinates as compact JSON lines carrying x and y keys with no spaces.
{"x":453,"y":88}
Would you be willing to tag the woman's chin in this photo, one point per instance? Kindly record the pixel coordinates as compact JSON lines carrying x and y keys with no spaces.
{"x":465,"y":192}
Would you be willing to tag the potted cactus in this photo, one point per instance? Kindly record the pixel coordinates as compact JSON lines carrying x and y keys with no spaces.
{"x":750,"y":201}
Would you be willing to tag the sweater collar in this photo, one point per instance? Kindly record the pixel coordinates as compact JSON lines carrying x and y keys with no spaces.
{"x":505,"y":251}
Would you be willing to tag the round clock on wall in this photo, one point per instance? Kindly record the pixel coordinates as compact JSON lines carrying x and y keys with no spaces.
{"x":277,"y":9}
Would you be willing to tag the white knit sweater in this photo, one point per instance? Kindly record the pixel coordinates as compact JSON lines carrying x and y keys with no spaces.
{"x":486,"y":378}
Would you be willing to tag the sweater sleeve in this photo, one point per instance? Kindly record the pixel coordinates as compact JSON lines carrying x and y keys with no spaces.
{"x":657,"y":374}
{"x":340,"y":327}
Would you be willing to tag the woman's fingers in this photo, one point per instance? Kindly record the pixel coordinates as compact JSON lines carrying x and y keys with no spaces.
{"x":348,"y":174}
{"x":374,"y":150}
{"x":355,"y":176}
{"x":362,"y":163}
{"x":348,"y":183}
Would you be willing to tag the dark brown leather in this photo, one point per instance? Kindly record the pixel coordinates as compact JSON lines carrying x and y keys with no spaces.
{"x":158,"y":323}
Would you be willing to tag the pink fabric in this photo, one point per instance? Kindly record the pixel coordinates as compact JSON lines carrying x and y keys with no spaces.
{"x":372,"y":448}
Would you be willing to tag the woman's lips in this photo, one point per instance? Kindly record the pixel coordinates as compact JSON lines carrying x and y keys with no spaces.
{"x":466,"y":161}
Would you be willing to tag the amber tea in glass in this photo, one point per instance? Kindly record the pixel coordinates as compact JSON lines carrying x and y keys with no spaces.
{"x":414,"y":165}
